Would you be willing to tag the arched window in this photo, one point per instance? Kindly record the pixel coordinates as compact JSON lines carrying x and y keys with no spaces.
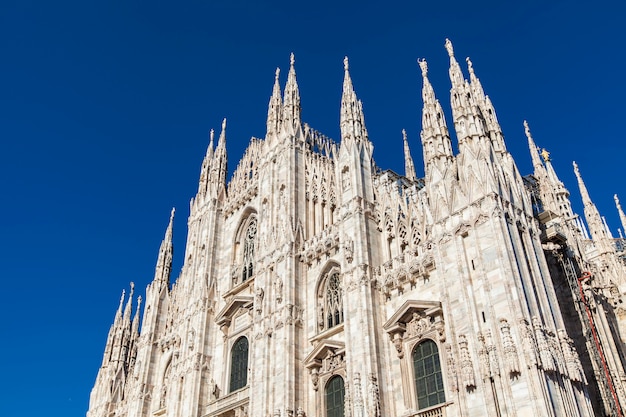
{"x":428,"y":376}
{"x":248,"y":251}
{"x":333,"y":301}
{"x":335,"y":394}
{"x":239,"y":364}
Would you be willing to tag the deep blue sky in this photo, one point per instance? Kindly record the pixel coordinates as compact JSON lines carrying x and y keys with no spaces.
{"x":105,"y":109}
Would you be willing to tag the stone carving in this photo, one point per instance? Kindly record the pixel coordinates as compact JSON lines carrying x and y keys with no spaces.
{"x":358,"y":398}
{"x":348,"y":250}
{"x":300,"y":412}
{"x":547,"y":360}
{"x":467,"y":368}
{"x":419,"y":325}
{"x":258,"y":300}
{"x":528,"y":342}
{"x":375,"y":396}
{"x":510,"y":351}
{"x":278,"y":289}
{"x":572,"y":361}
{"x":452,"y":371}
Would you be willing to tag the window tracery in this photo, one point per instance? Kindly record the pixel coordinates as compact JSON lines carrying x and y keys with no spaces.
{"x":248,"y":250}
{"x":331,"y":308}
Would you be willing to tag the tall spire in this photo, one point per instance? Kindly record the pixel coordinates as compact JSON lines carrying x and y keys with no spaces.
{"x":219,"y":169}
{"x":456,"y":76}
{"x":540,"y":170}
{"x":275,"y":108}
{"x":487,"y":110}
{"x":468,"y":122}
{"x":166,"y":252}
{"x":129,"y":303}
{"x":409,"y":167}
{"x":352,"y":121}
{"x":594,"y":221}
{"x":622,"y":216}
{"x":135,"y":327}
{"x":291,"y":105}
{"x":435,"y":137}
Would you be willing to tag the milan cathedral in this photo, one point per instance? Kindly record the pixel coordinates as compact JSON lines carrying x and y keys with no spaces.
{"x":317,"y":284}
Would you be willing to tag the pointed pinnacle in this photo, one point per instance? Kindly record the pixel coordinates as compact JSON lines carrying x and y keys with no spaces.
{"x":423,"y":65}
{"x":449,"y":48}
{"x":222,"y":140}
{"x":346,"y":65}
{"x":292,"y":59}
{"x":277,"y":73}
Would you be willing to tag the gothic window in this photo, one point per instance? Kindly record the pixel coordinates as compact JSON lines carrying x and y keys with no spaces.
{"x":332,"y":308}
{"x":335,"y":393}
{"x":248,"y":251}
{"x":428,"y":375}
{"x":239,"y":364}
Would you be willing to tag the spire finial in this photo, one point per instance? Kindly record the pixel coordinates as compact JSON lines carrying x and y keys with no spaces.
{"x":404,"y":138}
{"x":224,"y":124}
{"x":211,"y":136}
{"x":277,"y":73}
{"x":470,"y":67}
{"x":527,"y":130}
{"x":345,"y":63}
{"x":292,"y":59}
{"x":423,"y":65}
{"x":171,"y":220}
{"x":449,"y":48}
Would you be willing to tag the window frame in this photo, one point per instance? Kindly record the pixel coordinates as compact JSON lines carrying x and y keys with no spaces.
{"x":232,"y":364}
{"x":442,"y":391}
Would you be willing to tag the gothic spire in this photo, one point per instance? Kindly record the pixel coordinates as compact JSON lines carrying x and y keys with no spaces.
{"x":206,"y":166}
{"x":477,"y":88}
{"x":409,"y":167}
{"x":594,"y":221}
{"x":135,"y":327}
{"x":622,"y":216}
{"x":127,"y":310}
{"x":291,"y":104}
{"x":468,"y":122}
{"x":352,"y":120}
{"x":540,"y":170}
{"x":275,"y":107}
{"x":166,"y":252}
{"x":487,"y":110}
{"x":219,"y":168}
{"x":435,"y":137}
{"x":456,"y":76}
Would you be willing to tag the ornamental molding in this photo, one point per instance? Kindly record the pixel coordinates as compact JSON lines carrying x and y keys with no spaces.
{"x":414,"y":320}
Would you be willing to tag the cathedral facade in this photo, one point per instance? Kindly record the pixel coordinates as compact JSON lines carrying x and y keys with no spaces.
{"x":316,"y":284}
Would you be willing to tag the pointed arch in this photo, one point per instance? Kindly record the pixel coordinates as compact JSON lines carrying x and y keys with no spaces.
{"x":244,"y":264}
{"x":334,"y":396}
{"x":427,"y":374}
{"x":239,"y":364}
{"x":330,"y":298}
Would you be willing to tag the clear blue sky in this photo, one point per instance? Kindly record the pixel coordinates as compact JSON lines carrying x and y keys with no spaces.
{"x":105,"y":108}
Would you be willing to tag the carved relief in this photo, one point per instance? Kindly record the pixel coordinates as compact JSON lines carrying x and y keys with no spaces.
{"x":467,"y":368}
{"x":510,"y":351}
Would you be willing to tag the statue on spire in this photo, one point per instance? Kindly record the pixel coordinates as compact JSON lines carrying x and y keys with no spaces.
{"x":345,"y":63}
{"x":423,"y":65}
{"x":449,"y":48}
